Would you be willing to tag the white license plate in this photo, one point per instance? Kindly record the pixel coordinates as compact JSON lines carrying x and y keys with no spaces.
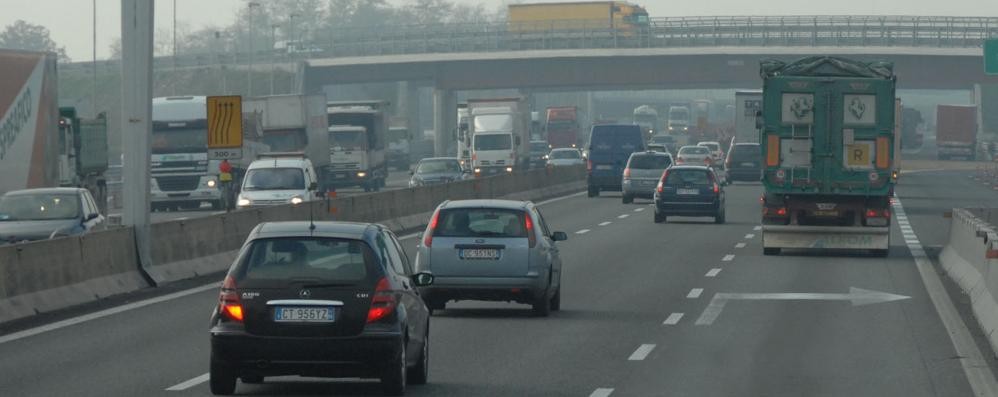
{"x":305,"y":314}
{"x":480,"y":253}
{"x":748,"y":164}
{"x":687,"y":192}
{"x":604,"y":167}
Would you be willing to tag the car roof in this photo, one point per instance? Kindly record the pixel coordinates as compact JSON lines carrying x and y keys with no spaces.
{"x":487,"y":203}
{"x":691,"y":146}
{"x":747,"y":144}
{"x":708,"y":143}
{"x":651,"y":153}
{"x":278,"y":162}
{"x":44,"y":190}
{"x":331,"y":229}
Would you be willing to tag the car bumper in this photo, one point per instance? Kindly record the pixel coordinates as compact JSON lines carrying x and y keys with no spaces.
{"x":345,"y":179}
{"x":505,"y":289}
{"x":359,"y":356}
{"x":639,"y":189}
{"x":686,"y":208}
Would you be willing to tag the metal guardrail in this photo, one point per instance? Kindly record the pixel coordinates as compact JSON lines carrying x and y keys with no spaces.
{"x":672,"y":32}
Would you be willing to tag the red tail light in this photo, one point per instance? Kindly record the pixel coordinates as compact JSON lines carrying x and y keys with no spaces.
{"x":627,"y":173}
{"x":873,"y":213}
{"x":531,"y":237}
{"x":229,"y":304}
{"x":382,"y":303}
{"x":661,"y":183}
{"x":679,"y":160}
{"x":589,"y":165}
{"x":428,"y":235}
{"x":782,"y":211}
{"x":717,"y":188}
{"x":706,"y":160}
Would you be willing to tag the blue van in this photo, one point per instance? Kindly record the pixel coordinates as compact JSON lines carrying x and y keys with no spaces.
{"x":609,"y":148}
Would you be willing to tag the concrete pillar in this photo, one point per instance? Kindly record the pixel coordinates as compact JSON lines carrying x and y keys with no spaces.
{"x":412,"y":122}
{"x":444,"y":121}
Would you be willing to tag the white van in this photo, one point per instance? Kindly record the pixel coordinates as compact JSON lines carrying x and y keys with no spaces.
{"x":277,"y":179}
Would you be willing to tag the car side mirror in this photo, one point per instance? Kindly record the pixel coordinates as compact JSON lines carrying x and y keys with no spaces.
{"x":92,"y":216}
{"x":422,"y":279}
{"x":559,"y":236}
{"x":313,"y":186}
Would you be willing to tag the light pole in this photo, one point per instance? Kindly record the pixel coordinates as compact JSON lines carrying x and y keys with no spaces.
{"x":249,"y":70}
{"x":93,"y":97}
{"x":291,"y":31}
{"x":273,"y":63}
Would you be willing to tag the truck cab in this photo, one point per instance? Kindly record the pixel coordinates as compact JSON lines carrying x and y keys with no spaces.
{"x":398,"y":148}
{"x":498,"y":140}
{"x":357,"y":139}
{"x":181,"y":178}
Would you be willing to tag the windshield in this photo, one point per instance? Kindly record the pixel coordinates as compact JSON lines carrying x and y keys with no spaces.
{"x":481,"y":222}
{"x":438,"y":166}
{"x":683,"y":177}
{"x":347,"y":140}
{"x":565,"y":154}
{"x":493,"y":122}
{"x":275,"y":179}
{"x":617,"y":138}
{"x":396,"y":136}
{"x":679,"y":114}
{"x":39,"y":207}
{"x":746,"y":152}
{"x":649,"y":162}
{"x":320,"y":259}
{"x":180,"y":140}
{"x":694,"y":150}
{"x":493,"y":142}
{"x":539,"y":147}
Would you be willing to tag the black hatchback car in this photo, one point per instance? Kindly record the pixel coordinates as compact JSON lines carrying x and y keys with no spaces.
{"x":744,"y":162}
{"x":339,"y":300}
{"x":688,"y":190}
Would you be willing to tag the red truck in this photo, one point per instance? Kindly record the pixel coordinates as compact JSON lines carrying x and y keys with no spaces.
{"x":562,"y":126}
{"x":956,"y":131}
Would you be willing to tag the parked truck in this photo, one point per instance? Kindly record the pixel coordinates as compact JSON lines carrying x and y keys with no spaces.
{"x":956,"y":131}
{"x":562,"y":126}
{"x":358,"y":135}
{"x":827,"y":139}
{"x":620,"y":17}
{"x":500,"y":135}
{"x":286,"y":124}
{"x":29,"y":121}
{"x":747,"y":104}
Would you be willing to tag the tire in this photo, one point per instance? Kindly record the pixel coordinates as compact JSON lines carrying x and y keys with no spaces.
{"x":556,"y":300}
{"x":593,"y":191}
{"x":719,"y":218}
{"x":252,"y":379}
{"x":542,"y":307}
{"x":420,"y":374}
{"x":659,"y":218}
{"x":393,"y":378}
{"x":628,"y":199}
{"x":771,"y":251}
{"x":221,"y":379}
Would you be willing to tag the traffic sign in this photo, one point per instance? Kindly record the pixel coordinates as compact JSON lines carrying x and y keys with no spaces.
{"x":991,"y":56}
{"x":225,"y":127}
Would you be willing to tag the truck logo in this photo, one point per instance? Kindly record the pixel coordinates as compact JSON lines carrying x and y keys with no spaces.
{"x":857,"y":108}
{"x":801,"y":107}
{"x":18,"y":116}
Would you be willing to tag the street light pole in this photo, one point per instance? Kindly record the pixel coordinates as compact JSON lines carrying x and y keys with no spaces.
{"x":93,"y":97}
{"x":273,"y":65}
{"x":252,"y":30}
{"x":173,"y":84}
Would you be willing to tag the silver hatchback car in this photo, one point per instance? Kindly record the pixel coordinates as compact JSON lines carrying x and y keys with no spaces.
{"x":643,"y":171}
{"x":491,"y":250}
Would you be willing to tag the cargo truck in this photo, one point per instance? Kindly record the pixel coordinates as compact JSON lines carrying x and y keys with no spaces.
{"x":357,"y":155}
{"x":747,"y":104}
{"x":562,"y":126}
{"x":622,"y":18}
{"x":647,"y":118}
{"x":956,"y":131}
{"x":83,"y":157}
{"x":500,"y":135}
{"x":827,"y":141}
{"x":286,"y":124}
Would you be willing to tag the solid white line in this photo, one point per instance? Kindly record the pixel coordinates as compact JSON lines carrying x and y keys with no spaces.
{"x":673,"y":319}
{"x":713,"y":272}
{"x":638,"y":209}
{"x":749,"y":236}
{"x":740,"y":245}
{"x":104,"y":313}
{"x":728,"y":258}
{"x":757,"y":228}
{"x":605,"y":223}
{"x":602,"y":392}
{"x":694,"y":293}
{"x":189,"y":384}
{"x":641,"y":353}
{"x":624,"y":216}
{"x":583,"y":231}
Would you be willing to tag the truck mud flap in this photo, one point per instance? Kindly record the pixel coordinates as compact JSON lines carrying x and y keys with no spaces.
{"x":825,"y":237}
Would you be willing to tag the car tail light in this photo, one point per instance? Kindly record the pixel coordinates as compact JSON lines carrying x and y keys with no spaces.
{"x":382,"y":303}
{"x":706,"y":160}
{"x":772,"y":150}
{"x":717,"y":188}
{"x":531,"y":237}
{"x":432,"y":227}
{"x":779,"y":212}
{"x":680,"y":160}
{"x":661,"y":183}
{"x":229,"y":304}
{"x":627,"y":173}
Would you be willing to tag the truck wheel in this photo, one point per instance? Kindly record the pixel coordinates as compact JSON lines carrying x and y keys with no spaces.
{"x":771,"y":251}
{"x":593,"y":191}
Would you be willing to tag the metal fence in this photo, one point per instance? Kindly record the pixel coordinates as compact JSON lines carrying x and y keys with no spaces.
{"x":673,"y":32}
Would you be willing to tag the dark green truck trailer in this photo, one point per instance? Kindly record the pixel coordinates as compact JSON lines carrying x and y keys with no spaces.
{"x":827,"y":136}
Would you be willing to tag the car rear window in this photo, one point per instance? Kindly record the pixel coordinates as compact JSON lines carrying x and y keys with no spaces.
{"x":680,"y":177}
{"x":619,"y":138}
{"x":746,"y":152}
{"x":327,"y":259}
{"x":694,"y":150}
{"x":649,"y":162}
{"x":712,"y":146}
{"x":480,"y":222}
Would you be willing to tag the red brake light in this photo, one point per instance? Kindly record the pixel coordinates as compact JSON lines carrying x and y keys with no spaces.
{"x":782,"y":211}
{"x":428,"y":235}
{"x":627,"y":172}
{"x":661,"y":183}
{"x":383,"y":303}
{"x":229,"y":304}
{"x":531,"y":237}
{"x":872,"y":213}
{"x":717,"y":188}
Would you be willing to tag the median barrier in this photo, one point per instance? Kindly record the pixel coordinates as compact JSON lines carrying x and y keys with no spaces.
{"x":971,"y":260}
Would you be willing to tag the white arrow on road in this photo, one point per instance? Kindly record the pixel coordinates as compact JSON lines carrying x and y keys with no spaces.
{"x":857,"y":296}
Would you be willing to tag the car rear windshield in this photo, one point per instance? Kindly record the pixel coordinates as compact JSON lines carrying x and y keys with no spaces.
{"x":694,"y":150}
{"x":565,"y":154}
{"x":747,"y":152}
{"x":681,"y":177}
{"x":325,"y":259}
{"x":649,"y":162}
{"x":618,"y":138}
{"x":711,"y":146}
{"x":438,"y":166}
{"x":480,"y":222}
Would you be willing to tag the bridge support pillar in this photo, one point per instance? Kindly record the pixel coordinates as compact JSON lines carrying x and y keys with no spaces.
{"x":408,"y":100}
{"x":444,"y":121}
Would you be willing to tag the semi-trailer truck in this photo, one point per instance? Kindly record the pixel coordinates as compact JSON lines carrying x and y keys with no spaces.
{"x":562,"y":126}
{"x":623,"y":18}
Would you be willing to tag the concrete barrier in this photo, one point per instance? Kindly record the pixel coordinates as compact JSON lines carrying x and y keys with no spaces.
{"x":971,"y":260}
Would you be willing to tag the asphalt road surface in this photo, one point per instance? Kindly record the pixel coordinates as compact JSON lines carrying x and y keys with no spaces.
{"x":633,"y":294}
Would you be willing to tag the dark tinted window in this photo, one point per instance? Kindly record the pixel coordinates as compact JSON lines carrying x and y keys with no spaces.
{"x":565,"y":154}
{"x":622,"y":138}
{"x":480,"y":222}
{"x":329,"y":259}
{"x":681,"y":177}
{"x":694,"y":150}
{"x":649,"y":162}
{"x":493,"y":142}
{"x":747,"y":152}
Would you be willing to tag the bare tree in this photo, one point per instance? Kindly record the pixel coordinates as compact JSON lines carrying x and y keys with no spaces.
{"x":22,"y":35}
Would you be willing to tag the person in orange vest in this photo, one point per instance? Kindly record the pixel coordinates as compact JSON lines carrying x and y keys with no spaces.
{"x":225,"y":177}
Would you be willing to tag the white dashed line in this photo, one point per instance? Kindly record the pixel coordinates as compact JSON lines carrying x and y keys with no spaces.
{"x":695,"y":293}
{"x":602,"y":392}
{"x":740,"y":245}
{"x":642,"y":352}
{"x":638,"y":209}
{"x":189,"y":384}
{"x":624,"y":216}
{"x":583,"y":231}
{"x":713,"y":272}
{"x":605,"y":223}
{"x":749,"y":236}
{"x":728,"y":258}
{"x":673,"y":319}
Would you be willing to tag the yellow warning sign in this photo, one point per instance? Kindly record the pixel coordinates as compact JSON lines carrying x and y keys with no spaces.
{"x":858,"y":155}
{"x":225,"y":122}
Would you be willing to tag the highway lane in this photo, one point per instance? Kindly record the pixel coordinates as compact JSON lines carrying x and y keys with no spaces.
{"x":626,"y":283}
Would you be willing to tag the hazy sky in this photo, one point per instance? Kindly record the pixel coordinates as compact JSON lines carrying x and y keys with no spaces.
{"x":71,"y":24}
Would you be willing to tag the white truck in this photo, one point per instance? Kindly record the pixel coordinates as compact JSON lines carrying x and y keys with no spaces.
{"x":358,"y":135}
{"x":500,"y":133}
{"x":29,"y":118}
{"x":678,"y":124}
{"x":463,"y":135}
{"x":181,"y":175}
{"x":747,"y":104}
{"x":289,"y":124}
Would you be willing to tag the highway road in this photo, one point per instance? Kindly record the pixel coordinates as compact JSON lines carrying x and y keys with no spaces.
{"x":634,"y":296}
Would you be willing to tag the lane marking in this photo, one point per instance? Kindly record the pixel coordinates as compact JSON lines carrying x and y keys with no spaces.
{"x":189,"y":383}
{"x":105,"y":313}
{"x":583,"y":231}
{"x":740,"y":245}
{"x":749,"y":236}
{"x":624,"y":216}
{"x":694,"y":293}
{"x":757,"y":228}
{"x":673,"y":319}
{"x":975,"y":367}
{"x":605,"y":223}
{"x":602,"y":392}
{"x":642,"y":352}
{"x":638,"y":209}
{"x":728,"y":258}
{"x":713,"y":272}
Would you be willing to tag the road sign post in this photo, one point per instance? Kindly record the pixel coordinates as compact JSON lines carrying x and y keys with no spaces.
{"x":991,"y":56}
{"x":225,"y":127}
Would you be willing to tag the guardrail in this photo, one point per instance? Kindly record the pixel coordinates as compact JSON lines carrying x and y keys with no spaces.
{"x":971,"y":259}
{"x":765,"y":31}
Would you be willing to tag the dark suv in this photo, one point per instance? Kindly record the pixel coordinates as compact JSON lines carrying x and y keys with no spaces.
{"x":609,"y":148}
{"x":330,"y":300}
{"x":744,"y":162}
{"x":687,"y":190}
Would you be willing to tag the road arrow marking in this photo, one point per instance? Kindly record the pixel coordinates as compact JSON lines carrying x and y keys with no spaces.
{"x":857,"y":296}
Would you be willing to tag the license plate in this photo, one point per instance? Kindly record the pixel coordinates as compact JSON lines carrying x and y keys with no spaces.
{"x":305,"y":314}
{"x":480,"y":253}
{"x":604,"y":167}
{"x":649,"y":183}
{"x":826,"y":213}
{"x":748,"y":164}
{"x":340,"y":176}
{"x":687,"y":192}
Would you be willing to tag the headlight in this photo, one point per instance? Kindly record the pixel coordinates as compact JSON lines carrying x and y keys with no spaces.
{"x":243,"y":202}
{"x":686,"y":128}
{"x":296,"y":200}
{"x":361,"y":174}
{"x":509,"y":169}
{"x":546,"y":157}
{"x":478,"y":170}
{"x":211,"y":183}
{"x":671,"y":128}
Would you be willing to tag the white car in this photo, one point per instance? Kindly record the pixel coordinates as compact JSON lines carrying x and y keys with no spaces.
{"x":278,"y":180}
{"x":716,"y":153}
{"x":564,"y":157}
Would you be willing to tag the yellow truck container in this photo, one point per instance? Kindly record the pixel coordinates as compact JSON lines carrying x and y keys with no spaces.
{"x":623,"y":16}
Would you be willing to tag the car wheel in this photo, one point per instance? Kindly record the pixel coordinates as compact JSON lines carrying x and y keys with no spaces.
{"x":593,"y":191}
{"x":393,"y":380}
{"x":252,"y":379}
{"x":542,"y":307}
{"x":556,"y":300}
{"x":419,"y":374}
{"x":771,"y":251}
{"x":221,"y":379}
{"x":628,"y":199}
{"x":719,"y":218}
{"x":659,"y":218}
